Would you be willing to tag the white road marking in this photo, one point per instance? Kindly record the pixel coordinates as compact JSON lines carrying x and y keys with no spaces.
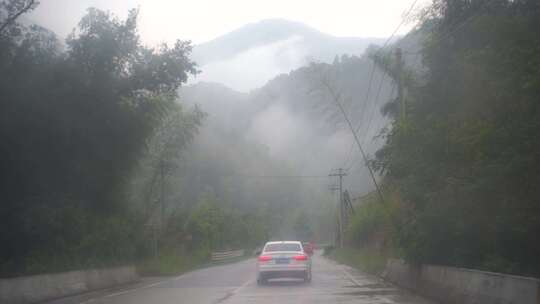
{"x":154,"y":284}
{"x":350,"y":277}
{"x":124,"y":292}
{"x":230,"y":294}
{"x":120,"y":293}
{"x":241,"y":287}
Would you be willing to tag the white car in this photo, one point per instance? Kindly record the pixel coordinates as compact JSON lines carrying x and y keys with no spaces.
{"x":284,"y":259}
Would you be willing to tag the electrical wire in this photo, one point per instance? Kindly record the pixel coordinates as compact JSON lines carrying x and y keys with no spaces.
{"x":278,"y":176}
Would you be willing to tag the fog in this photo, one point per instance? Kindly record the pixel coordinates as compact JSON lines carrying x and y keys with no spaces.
{"x":201,"y":21}
{"x":167,"y":134}
{"x":253,"y":68}
{"x":297,"y":140}
{"x":271,"y":132}
{"x":296,"y":121}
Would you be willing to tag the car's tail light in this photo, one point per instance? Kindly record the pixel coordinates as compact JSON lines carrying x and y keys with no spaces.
{"x":264,"y":258}
{"x":300,"y":257}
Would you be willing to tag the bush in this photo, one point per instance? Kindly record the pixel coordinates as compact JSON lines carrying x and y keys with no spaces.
{"x":173,"y":261}
{"x":327,"y":250}
{"x":367,"y":260}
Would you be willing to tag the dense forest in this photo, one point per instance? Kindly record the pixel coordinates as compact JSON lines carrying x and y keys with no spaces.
{"x":75,"y":120}
{"x":460,"y":163}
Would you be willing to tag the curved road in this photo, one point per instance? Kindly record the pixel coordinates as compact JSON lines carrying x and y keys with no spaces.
{"x":235,"y":284}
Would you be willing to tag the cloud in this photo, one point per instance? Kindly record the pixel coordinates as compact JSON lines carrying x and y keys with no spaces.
{"x":254,"y":67}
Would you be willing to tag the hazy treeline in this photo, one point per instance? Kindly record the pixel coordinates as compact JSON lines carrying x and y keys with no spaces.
{"x":75,"y":119}
{"x":462,"y":163}
{"x":100,"y":159}
{"x":253,"y":146}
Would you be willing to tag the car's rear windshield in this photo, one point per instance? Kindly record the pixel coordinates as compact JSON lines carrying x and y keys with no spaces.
{"x":282,"y":247}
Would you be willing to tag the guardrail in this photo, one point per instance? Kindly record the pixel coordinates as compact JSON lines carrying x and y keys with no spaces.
{"x":225,"y":255}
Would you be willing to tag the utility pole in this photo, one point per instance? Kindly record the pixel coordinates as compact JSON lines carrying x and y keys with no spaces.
{"x":341,"y":173}
{"x":399,"y":71}
{"x":347,"y":206}
{"x":162,"y":195}
{"x":335,"y":188}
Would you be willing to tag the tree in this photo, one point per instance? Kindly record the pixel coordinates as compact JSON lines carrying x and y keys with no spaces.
{"x":10,"y":10}
{"x":74,"y":125}
{"x":466,"y":165}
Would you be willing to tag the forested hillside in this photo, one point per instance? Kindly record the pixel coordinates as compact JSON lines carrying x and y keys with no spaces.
{"x":462,"y":160}
{"x":74,"y":123}
{"x":105,"y":163}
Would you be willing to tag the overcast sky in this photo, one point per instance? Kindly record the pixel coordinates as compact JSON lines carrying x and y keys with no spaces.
{"x":203,"y":20}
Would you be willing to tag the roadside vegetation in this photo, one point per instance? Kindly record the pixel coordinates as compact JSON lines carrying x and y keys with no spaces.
{"x":106,"y":159}
{"x":368,"y":260}
{"x":462,"y":157}
{"x":85,"y":121}
{"x":102,"y":163}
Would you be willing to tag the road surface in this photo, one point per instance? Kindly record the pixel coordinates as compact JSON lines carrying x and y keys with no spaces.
{"x":235,"y":284}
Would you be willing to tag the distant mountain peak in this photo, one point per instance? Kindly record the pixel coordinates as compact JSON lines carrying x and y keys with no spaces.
{"x":251,"y":35}
{"x":247,"y":57}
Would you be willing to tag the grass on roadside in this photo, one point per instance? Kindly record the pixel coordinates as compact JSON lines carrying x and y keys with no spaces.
{"x":172,"y":263}
{"x":166,"y":265}
{"x":366,"y":260}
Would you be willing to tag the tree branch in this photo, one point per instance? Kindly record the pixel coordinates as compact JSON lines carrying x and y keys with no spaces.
{"x":9,"y":20}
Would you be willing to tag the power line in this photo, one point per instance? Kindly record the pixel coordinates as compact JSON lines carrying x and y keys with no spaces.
{"x":279,"y":176}
{"x":353,"y":163}
{"x":336,"y":98}
{"x":403,"y":19}
{"x":457,"y":27}
{"x":368,"y":91}
{"x":372,"y":71}
{"x":441,"y":38}
{"x":374,"y":108}
{"x":350,"y":156}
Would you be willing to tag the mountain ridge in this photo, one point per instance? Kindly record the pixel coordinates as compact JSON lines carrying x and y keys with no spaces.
{"x":268,"y":31}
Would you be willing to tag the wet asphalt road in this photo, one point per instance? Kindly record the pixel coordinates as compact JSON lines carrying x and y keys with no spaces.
{"x":235,"y":284}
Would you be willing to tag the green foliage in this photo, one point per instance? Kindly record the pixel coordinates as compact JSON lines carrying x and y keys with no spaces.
{"x":366,"y":260}
{"x":75,"y":238}
{"x":465,"y":160}
{"x":212,"y":226}
{"x":327,"y":250}
{"x":372,"y":222}
{"x":172,"y":262}
{"x":74,"y":125}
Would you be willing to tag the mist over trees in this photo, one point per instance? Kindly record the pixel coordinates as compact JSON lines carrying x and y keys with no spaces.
{"x":461,"y":165}
{"x":74,"y":123}
{"x":108,"y":157}
{"x":252,"y":145}
{"x":256,"y":52}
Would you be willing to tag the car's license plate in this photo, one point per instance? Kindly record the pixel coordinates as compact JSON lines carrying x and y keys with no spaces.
{"x":282,"y":261}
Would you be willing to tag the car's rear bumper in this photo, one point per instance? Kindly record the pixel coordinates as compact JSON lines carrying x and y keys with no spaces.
{"x":283,"y":274}
{"x":285,"y":267}
{"x":283,"y":271}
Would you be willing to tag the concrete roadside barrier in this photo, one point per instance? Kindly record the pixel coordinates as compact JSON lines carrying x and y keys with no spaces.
{"x":38,"y":288}
{"x":451,"y":285}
